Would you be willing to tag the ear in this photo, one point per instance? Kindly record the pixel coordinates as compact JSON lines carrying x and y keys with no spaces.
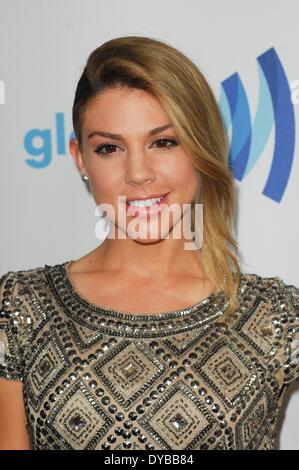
{"x":77,"y":156}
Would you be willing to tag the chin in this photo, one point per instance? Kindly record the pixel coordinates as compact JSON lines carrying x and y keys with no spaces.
{"x":147,"y":241}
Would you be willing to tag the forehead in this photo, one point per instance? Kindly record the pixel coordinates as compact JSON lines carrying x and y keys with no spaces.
{"x":120,"y":109}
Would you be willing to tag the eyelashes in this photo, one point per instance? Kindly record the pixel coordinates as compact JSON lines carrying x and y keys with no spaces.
{"x":100,"y":150}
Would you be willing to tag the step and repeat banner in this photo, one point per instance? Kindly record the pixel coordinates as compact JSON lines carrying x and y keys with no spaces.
{"x":248,"y":52}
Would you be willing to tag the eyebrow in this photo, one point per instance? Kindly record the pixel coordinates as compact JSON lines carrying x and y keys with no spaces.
{"x":154,"y":131}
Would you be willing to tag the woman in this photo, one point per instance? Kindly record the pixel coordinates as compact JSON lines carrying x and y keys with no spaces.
{"x":142,"y":343}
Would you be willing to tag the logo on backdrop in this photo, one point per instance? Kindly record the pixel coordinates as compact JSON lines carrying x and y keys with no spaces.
{"x":39,"y":143}
{"x":248,"y":137}
{"x":275,"y":107}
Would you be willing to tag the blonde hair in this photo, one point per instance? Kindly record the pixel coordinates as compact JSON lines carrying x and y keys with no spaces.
{"x":154,"y":66}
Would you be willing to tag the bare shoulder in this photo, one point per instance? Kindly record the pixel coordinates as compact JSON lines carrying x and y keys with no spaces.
{"x":13,"y":423}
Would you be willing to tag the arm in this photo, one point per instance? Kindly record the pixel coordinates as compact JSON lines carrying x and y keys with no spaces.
{"x":13,"y":431}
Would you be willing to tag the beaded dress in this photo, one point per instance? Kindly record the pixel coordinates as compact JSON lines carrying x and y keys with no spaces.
{"x":97,"y":378}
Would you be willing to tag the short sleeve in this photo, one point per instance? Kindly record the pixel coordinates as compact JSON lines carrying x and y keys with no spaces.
{"x":11,"y":360}
{"x":291,"y":366}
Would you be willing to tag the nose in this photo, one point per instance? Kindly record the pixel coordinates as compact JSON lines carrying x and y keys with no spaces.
{"x":139,"y":169}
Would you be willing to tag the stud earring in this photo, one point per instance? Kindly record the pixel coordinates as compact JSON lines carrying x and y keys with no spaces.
{"x":84,"y":178}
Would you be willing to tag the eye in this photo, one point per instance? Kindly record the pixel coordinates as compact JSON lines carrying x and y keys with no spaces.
{"x":172,"y":142}
{"x":107,"y":149}
{"x":100,"y":149}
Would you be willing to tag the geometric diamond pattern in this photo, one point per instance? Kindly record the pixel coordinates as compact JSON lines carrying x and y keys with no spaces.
{"x":184,"y":341}
{"x":78,"y":420}
{"x":250,"y":428}
{"x":97,"y":378}
{"x":226,"y":370}
{"x":180,"y":419}
{"x":84,"y":337}
{"x":128,"y":371}
{"x":256,"y":329}
{"x":49,"y":363}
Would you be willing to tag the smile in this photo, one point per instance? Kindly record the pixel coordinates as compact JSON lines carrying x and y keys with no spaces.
{"x":146,"y":202}
{"x":144,"y":208}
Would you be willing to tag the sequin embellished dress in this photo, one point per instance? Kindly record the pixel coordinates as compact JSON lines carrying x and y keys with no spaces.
{"x":96,"y":378}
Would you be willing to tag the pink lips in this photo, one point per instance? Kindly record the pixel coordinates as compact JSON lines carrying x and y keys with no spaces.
{"x":144,"y":212}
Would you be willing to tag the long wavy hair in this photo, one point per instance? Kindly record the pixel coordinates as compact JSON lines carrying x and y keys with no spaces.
{"x":151,"y":65}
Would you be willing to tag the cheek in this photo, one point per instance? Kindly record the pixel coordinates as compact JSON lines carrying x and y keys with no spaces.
{"x":105,"y":181}
{"x":182,"y":176}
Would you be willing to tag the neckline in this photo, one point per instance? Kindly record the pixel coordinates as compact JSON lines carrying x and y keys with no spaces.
{"x":215,"y":299}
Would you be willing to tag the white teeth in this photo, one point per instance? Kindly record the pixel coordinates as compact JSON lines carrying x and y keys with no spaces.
{"x":147,"y":202}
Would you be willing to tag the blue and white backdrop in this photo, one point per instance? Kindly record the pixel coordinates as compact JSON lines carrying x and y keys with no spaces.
{"x":249,"y":53}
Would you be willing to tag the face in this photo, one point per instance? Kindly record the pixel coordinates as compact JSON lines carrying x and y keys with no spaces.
{"x":136,"y":163}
